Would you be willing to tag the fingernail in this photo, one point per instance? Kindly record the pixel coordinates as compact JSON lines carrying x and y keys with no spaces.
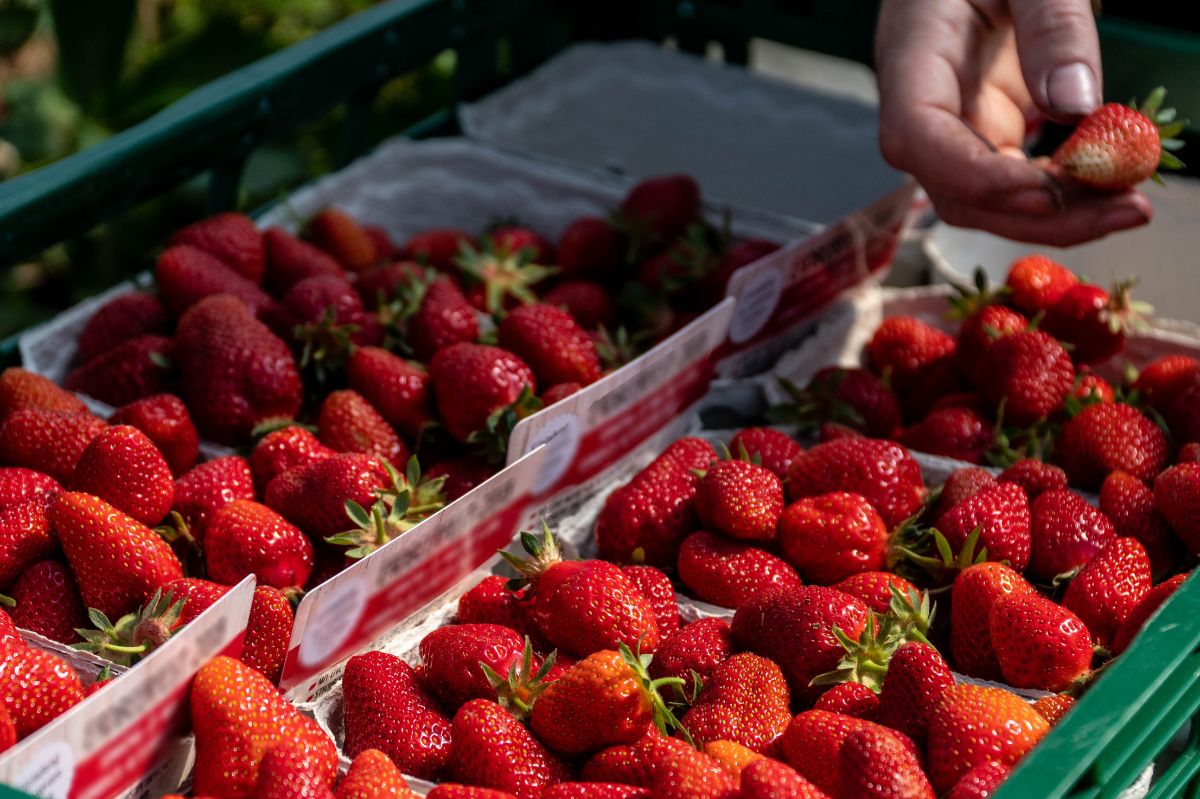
{"x":1072,"y":89}
{"x":1123,"y":218}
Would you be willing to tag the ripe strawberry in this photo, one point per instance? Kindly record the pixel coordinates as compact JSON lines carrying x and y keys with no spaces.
{"x":696,"y":649}
{"x":583,"y":606}
{"x":979,"y":332}
{"x":291,"y":772}
{"x":1162,"y":381}
{"x":961,"y":485}
{"x":972,"y":725}
{"x":1118,"y":146}
{"x":657,"y":588}
{"x":118,"y":562}
{"x":435,"y":316}
{"x":586,"y":301}
{"x":745,"y":700}
{"x":874,"y":764}
{"x":552,"y":343}
{"x":494,"y":750}
{"x":36,"y":687}
{"x":50,"y":442}
{"x":745,"y":252}
{"x":636,"y":764}
{"x":916,"y":677}
{"x":515,"y":238}
{"x":741,"y":500}
{"x":322,"y":315}
{"x":499,"y":278}
{"x":814,"y":742}
{"x":1177,"y":495}
{"x":268,"y":632}
{"x":853,"y":397}
{"x":18,"y":486}
{"x":976,"y":589}
{"x":850,"y":699}
{"x":385,"y":708}
{"x":491,"y":602}
{"x":437,"y":247}
{"x":21,"y":389}
{"x":1034,"y":477}
{"x":348,"y":423}
{"x":1036,"y":283}
{"x":1143,"y":610}
{"x":125,"y":316}
{"x":958,"y":432}
{"x":245,"y":537}
{"x":1001,"y":514}
{"x":185,"y":275}
{"x":558,"y":392}
{"x":452,"y":790}
{"x":10,"y":637}
{"x":383,"y":288}
{"x":794,"y":627}
{"x":1106,"y":590}
{"x":335,"y":232}
{"x":730,"y":573}
{"x":662,"y":207}
{"x":235,"y":372}
{"x":909,"y":351}
{"x":314,"y":497}
{"x":980,"y":782}
{"x":1091,"y":389}
{"x":832,"y":536}
{"x":1039,"y":643}
{"x":453,"y":657}
{"x":771,"y":779}
{"x":396,"y":388}
{"x":373,"y":775}
{"x":238,"y":717}
{"x":594,"y":790}
{"x":290,"y":260}
{"x":25,"y":538}
{"x":197,"y":596}
{"x":694,"y":775}
{"x":590,"y":247}
{"x":1108,"y":438}
{"x":136,"y":368}
{"x":230,"y":237}
{"x":47,"y":602}
{"x":124,"y":468}
{"x":774,"y":449}
{"x":1067,"y":533}
{"x":1188,"y":453}
{"x":8,"y":732}
{"x":1030,"y":373}
{"x":283,"y":450}
{"x":1129,"y":504}
{"x":883,"y":472}
{"x":875,"y":588}
{"x":1053,"y":707}
{"x":1183,"y":416}
{"x":210,"y":486}
{"x":165,"y":421}
{"x":475,"y":384}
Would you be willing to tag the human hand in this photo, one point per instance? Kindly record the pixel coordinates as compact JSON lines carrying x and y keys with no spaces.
{"x":957,"y":81}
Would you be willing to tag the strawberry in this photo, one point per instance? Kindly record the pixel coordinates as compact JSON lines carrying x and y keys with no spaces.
{"x":313,"y":497}
{"x":499,"y":278}
{"x":1143,"y":610}
{"x":911,"y":352}
{"x":453,"y":660}
{"x":47,"y":602}
{"x":396,"y":388}
{"x":959,"y":432}
{"x":1034,"y":477}
{"x":480,"y":389}
{"x":21,"y":389}
{"x":25,"y":538}
{"x":875,"y":764}
{"x":590,"y":247}
{"x":972,"y":725}
{"x":976,"y":589}
{"x":594,"y":790}
{"x":323,"y":315}
{"x":585,"y":606}
{"x":50,"y":442}
{"x":1183,"y":416}
{"x":794,"y":627}
{"x":1118,"y":146}
{"x":124,"y":468}
{"x":10,"y":637}
{"x":980,"y":782}
{"x":552,"y":343}
{"x":385,"y":708}
{"x":1053,"y":707}
{"x":853,"y":397}
{"x":197,"y":595}
{"x":979,"y":332}
{"x":657,"y":588}
{"x":292,"y":772}
{"x":515,"y":238}
{"x":774,"y":449}
{"x":373,"y":775}
{"x":745,"y":252}
{"x":437,"y":247}
{"x":770,"y":779}
{"x":586,"y":301}
{"x":1035,"y":283}
{"x":733,"y":757}
{"x":494,"y":750}
{"x":1001,"y":514}
{"x":436,"y":315}
{"x":745,"y":700}
{"x":1107,"y":589}
{"x":1092,"y":321}
{"x":166,"y":422}
{"x":1162,"y":380}
{"x":451,"y":790}
{"x":961,"y":485}
{"x":238,"y":717}
{"x":117,"y":561}
{"x":916,"y":677}
{"x":235,"y":372}
{"x":636,"y":764}
{"x":36,"y":687}
{"x":8,"y":731}
{"x":461,"y":474}
{"x":882,"y":472}
{"x":18,"y":486}
{"x":832,"y":536}
{"x":1107,"y":438}
{"x":741,"y":500}
{"x":662,"y":207}
{"x":210,"y":486}
{"x":283,"y":450}
{"x":694,"y":775}
{"x":875,"y":588}
{"x":693,"y":652}
{"x":348,"y":423}
{"x":730,"y":573}
{"x":491,"y":602}
{"x":245,"y":537}
{"x":1039,"y":643}
{"x":232,"y":238}
{"x":814,"y":742}
{"x":335,"y":232}
{"x":1092,"y":388}
{"x":185,"y":275}
{"x":290,"y":260}
{"x":268,"y":632}
{"x":1177,"y":495}
{"x":136,"y":368}
{"x":1067,"y":533}
{"x":1030,"y":373}
{"x":1188,"y":453}
{"x":850,"y":699}
{"x":125,"y":316}
{"x":558,"y":392}
{"x":383,"y":288}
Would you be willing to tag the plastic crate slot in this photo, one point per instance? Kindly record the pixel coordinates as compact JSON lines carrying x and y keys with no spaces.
{"x":1179,"y":775}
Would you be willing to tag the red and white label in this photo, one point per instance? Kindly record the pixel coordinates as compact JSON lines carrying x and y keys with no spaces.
{"x":108,"y":745}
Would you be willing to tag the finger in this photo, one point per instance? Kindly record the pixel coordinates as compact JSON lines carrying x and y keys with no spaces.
{"x":1078,"y":223}
{"x":1060,"y":55}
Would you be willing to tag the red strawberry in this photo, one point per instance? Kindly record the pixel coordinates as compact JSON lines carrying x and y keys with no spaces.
{"x":794,"y":627}
{"x":1034,"y":477}
{"x":853,"y":397}
{"x":1002,"y":516}
{"x":10,"y":637}
{"x":491,"y":602}
{"x":552,"y":343}
{"x":730,"y":573}
{"x":500,"y":279}
{"x":1036,"y":283}
{"x":1091,"y":321}
{"x":1118,"y":146}
{"x":1129,"y":504}
{"x":18,"y":486}
{"x":348,"y":423}
{"x":165,"y":421}
{"x":8,"y":732}
{"x":47,"y":602}
{"x":268,"y":632}
{"x":975,"y":591}
{"x":473,"y":382}
{"x":586,"y":301}
{"x":289,"y":772}
{"x":185,"y":275}
{"x":21,"y":389}
{"x":1054,"y":706}
{"x":373,"y":775}
{"x":1177,"y":495}
{"x":1184,"y":415}
{"x":979,"y":332}
{"x":1109,"y":438}
{"x":1091,"y":388}
{"x":814,"y":742}
{"x":290,"y":260}
{"x":875,"y":588}
{"x":452,"y":790}
{"x":514,"y":238}
{"x":657,"y":588}
{"x":494,"y":750}
{"x":832,"y":536}
{"x":385,"y":708}
{"x":774,"y":449}
{"x":283,"y":450}
{"x":980,"y":782}
{"x":209,"y":487}
{"x":437,"y":247}
{"x":238,"y":717}
{"x":314,"y":497}
{"x":1039,"y":643}
{"x":875,"y":764}
{"x":881,"y":471}
{"x":745,"y":700}
{"x":910,"y":351}
{"x":124,"y":468}
{"x":637,"y":764}
{"x":1188,"y":453}
{"x":441,"y":317}
{"x":699,"y":647}
{"x":916,"y":678}
{"x":664,"y":206}
{"x":25,"y":538}
{"x":1030,"y":373}
{"x":235,"y":372}
{"x":740,"y":254}
{"x":125,"y":316}
{"x":741,"y":500}
{"x":335,"y":232}
{"x":230,"y":237}
{"x":1067,"y":533}
{"x":48,"y":441}
{"x":397,"y":388}
{"x":36,"y":687}
{"x":1162,"y":381}
{"x":694,"y":775}
{"x":383,"y":287}
{"x":197,"y":595}
{"x":135,"y":368}
{"x":461,"y":474}
{"x":961,"y":485}
{"x":1106,"y":590}
{"x":590,"y":247}
{"x":323,"y":314}
{"x":959,"y":432}
{"x":594,"y":790}
{"x":770,"y":779}
{"x":850,"y":699}
{"x":245,"y":537}
{"x":452,"y":661}
{"x":972,"y":725}
{"x":559,"y":392}
{"x":1143,"y":610}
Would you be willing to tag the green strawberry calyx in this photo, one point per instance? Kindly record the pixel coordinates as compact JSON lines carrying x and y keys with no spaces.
{"x":517,"y":691}
{"x":408,"y":500}
{"x":502,"y":272}
{"x":665,"y":719}
{"x":543,"y":552}
{"x":1169,"y":127}
{"x":134,"y":635}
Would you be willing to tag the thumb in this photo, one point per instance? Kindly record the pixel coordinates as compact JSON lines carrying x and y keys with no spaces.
{"x":1060,"y":55}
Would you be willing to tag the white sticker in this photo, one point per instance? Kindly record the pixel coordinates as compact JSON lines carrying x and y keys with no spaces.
{"x":49,"y":772}
{"x":333,"y":620}
{"x":561,"y":437}
{"x":756,"y":301}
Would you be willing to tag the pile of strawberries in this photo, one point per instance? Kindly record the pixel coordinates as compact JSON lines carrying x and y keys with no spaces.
{"x":1034,"y":370}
